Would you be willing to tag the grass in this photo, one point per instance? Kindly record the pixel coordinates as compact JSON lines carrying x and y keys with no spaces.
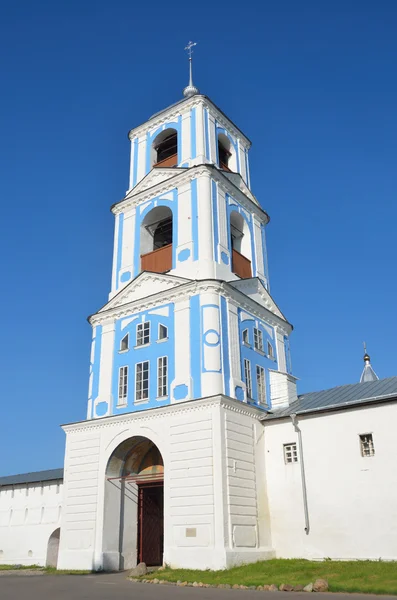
{"x":18,"y":567}
{"x":54,"y":571}
{"x":47,"y":570}
{"x":370,"y":577}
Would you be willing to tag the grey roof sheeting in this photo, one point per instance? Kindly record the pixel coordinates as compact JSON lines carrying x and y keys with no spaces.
{"x":339,"y":397}
{"x":36,"y":477}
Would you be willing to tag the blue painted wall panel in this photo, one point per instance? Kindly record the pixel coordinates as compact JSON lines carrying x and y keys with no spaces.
{"x":136,"y":354}
{"x":254,"y":356}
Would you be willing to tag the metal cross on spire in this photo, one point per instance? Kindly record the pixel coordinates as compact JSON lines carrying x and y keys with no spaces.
{"x":190,"y":90}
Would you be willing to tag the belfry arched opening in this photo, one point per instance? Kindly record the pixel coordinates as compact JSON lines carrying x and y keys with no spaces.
{"x":134,"y":505}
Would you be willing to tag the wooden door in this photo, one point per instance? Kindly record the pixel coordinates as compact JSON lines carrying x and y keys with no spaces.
{"x":151,"y":523}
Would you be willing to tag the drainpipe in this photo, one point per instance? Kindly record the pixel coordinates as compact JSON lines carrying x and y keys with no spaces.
{"x":303,"y":478}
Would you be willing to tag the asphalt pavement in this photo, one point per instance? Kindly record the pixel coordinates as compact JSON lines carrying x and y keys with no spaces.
{"x":117,"y":587}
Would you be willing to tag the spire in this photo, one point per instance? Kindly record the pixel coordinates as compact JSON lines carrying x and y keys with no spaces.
{"x":368,"y":373}
{"x":190,"y":90}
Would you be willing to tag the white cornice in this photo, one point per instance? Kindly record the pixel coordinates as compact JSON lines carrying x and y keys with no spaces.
{"x":185,"y":291}
{"x":168,"y":114}
{"x":185,"y":176}
{"x":182,"y":107}
{"x":181,"y":408}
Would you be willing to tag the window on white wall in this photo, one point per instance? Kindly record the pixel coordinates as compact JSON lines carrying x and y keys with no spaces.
{"x":270,"y":352}
{"x":248,"y":379}
{"x":125,"y":343}
{"x":123,"y":385}
{"x":163,"y":332}
{"x":290,"y":453}
{"x":367,"y":444}
{"x":246,"y":339}
{"x":162,"y":376}
{"x":258,"y":339}
{"x":143,"y":333}
{"x":142,"y":381}
{"x":261,"y":384}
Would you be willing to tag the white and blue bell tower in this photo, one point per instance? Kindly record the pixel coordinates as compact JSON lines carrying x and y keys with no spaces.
{"x":190,"y":313}
{"x":187,"y":356}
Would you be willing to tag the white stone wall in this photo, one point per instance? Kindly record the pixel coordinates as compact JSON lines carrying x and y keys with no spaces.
{"x":29,"y":514}
{"x":352,"y":501}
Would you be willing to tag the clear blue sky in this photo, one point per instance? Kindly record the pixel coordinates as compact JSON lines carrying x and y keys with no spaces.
{"x":313,"y":84}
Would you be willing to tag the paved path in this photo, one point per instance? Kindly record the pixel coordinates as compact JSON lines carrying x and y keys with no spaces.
{"x":116,"y":587}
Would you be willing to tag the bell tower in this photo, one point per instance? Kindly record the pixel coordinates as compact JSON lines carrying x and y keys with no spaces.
{"x":187,"y":356}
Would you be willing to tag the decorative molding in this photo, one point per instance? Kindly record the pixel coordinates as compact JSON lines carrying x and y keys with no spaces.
{"x":185,"y":176}
{"x":254,"y":285}
{"x":181,"y":408}
{"x":157,"y":173}
{"x":166,"y":115}
{"x":123,"y":296}
{"x":181,"y":108}
{"x":185,"y":291}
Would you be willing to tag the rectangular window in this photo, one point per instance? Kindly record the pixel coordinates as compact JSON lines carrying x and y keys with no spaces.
{"x":142,"y":381}
{"x":290,"y":453}
{"x":246,"y":339}
{"x":258,"y":339}
{"x":367,"y":445}
{"x":162,"y":376}
{"x":261,"y":384}
{"x":163,"y":332}
{"x":143,"y":333}
{"x":248,"y":381}
{"x":270,"y":352}
{"x":124,"y":344}
{"x":123,"y":385}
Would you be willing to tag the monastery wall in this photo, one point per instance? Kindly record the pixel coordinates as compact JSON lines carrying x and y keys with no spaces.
{"x":352,"y":500}
{"x":29,"y":515}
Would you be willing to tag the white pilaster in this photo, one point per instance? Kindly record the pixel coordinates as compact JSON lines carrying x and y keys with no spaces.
{"x":234,"y":343}
{"x":182,"y":349}
{"x":200,"y":135}
{"x":106,"y":368}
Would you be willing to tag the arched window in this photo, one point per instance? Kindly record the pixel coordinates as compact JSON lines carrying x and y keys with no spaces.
{"x":224,"y":152}
{"x":241,"y":245}
{"x":165,"y":149}
{"x":156,"y":240}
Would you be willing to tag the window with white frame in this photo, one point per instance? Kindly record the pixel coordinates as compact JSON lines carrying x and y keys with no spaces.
{"x":142,"y":381}
{"x":123,"y":385}
{"x":143,"y":333}
{"x":258,"y":339}
{"x":261,"y":384}
{"x":125,"y":343}
{"x":290,"y":453}
{"x":162,"y":376}
{"x":367,"y":444}
{"x":248,"y":380}
{"x":163,"y":332}
{"x":270,"y":352}
{"x":246,"y":339}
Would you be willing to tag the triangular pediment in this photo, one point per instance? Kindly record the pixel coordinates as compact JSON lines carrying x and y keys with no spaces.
{"x":239,"y":182}
{"x":144,"y":285}
{"x":255,"y":289}
{"x":154,"y":177}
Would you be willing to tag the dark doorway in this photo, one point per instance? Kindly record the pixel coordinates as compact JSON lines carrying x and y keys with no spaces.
{"x":151,"y":523}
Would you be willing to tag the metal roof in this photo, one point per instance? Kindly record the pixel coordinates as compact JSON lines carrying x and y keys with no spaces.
{"x":339,"y":397}
{"x":35,"y":477}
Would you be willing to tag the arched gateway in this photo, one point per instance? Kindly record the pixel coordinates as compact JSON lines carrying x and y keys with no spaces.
{"x":134,"y":505}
